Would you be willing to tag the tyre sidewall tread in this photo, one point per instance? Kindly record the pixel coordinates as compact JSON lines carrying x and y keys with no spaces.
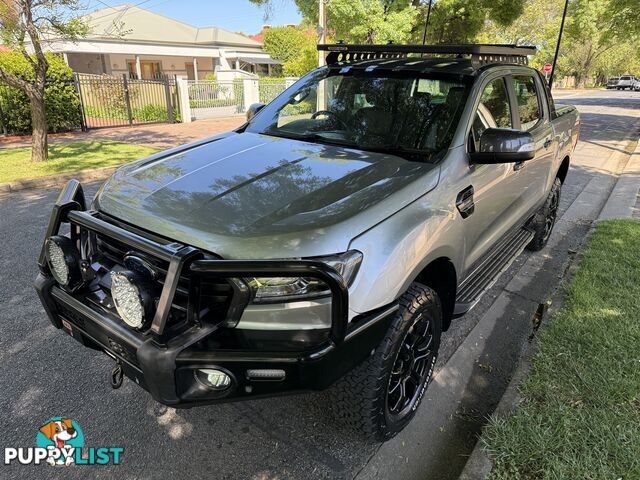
{"x":538,"y":241}
{"x":359,"y":398}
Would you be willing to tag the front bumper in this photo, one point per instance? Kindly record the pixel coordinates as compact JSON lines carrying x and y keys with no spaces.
{"x":164,"y":363}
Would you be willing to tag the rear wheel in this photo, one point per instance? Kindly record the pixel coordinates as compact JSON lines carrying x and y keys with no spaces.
{"x":381,"y":396}
{"x":545,"y":219}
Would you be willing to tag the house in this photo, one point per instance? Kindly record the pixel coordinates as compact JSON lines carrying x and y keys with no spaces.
{"x":130,"y":40}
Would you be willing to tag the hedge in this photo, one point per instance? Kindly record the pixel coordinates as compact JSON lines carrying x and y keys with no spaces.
{"x":61,"y":101}
{"x":146,"y":113}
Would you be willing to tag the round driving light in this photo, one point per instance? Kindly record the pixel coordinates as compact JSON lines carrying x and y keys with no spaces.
{"x":63,"y":259}
{"x":128,"y":298}
{"x":213,"y":379}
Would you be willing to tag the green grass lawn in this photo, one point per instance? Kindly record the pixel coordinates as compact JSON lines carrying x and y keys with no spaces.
{"x":580,"y":418}
{"x":15,"y":164}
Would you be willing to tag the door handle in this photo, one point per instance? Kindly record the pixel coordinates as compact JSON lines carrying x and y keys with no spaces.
{"x":465,"y":203}
{"x":547,"y":143}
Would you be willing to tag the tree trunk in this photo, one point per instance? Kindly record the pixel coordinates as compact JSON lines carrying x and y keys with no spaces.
{"x":39,"y":141}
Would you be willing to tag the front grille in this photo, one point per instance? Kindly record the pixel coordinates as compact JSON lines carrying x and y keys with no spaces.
{"x":210,"y":304}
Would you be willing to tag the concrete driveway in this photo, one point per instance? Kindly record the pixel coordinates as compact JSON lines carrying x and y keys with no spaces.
{"x":46,"y":373}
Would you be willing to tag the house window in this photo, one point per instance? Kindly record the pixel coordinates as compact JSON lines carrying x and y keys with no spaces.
{"x":149,"y":70}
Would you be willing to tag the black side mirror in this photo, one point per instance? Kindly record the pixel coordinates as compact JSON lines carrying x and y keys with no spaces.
{"x":253,"y":109}
{"x":504,"y":145}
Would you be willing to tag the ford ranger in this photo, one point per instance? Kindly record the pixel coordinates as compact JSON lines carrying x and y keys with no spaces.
{"x":331,"y":239}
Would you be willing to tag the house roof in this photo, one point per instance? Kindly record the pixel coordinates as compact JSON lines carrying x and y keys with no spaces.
{"x":131,"y":23}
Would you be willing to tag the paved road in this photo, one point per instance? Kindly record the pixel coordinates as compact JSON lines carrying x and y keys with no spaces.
{"x":46,"y":374}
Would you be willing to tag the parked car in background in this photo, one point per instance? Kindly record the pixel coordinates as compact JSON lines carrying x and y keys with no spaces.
{"x":613,"y":82}
{"x":626,"y":81}
{"x":636,"y":85}
{"x":331,"y":238}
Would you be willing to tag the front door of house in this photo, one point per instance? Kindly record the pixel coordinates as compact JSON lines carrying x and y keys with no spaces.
{"x":191,"y":73}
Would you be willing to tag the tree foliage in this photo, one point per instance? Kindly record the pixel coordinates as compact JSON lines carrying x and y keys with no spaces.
{"x":361,"y":21}
{"x":295,"y":47}
{"x":598,"y":40}
{"x":601,"y":36}
{"x":61,"y":101}
{"x":459,"y":21}
{"x":26,"y":26}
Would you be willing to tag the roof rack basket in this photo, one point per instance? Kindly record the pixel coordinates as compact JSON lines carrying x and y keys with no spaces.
{"x":481,"y":54}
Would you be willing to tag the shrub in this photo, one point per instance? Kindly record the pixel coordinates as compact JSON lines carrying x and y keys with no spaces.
{"x":145,"y":113}
{"x":151,"y":113}
{"x":269,"y":88}
{"x":61,"y":101}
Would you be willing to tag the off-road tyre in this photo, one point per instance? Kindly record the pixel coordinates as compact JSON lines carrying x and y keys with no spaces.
{"x":361,"y":398}
{"x":545,"y":219}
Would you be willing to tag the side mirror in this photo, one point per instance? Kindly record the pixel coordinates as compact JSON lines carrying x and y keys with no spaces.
{"x":253,"y":109}
{"x":504,"y":145}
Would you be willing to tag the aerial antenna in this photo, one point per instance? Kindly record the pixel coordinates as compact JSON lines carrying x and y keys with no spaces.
{"x":426,"y":23}
{"x":555,"y":57}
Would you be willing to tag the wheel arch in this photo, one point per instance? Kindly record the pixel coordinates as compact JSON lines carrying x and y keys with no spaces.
{"x":440,"y":275}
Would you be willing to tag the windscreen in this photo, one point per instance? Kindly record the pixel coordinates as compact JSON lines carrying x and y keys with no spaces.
{"x":410,"y":115}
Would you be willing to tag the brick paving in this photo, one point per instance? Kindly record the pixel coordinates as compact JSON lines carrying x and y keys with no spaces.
{"x":161,"y":136}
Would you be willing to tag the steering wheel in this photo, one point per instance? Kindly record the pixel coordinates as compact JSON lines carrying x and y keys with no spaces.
{"x":333,"y":115}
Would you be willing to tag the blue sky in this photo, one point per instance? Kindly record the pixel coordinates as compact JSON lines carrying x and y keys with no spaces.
{"x":234,"y":15}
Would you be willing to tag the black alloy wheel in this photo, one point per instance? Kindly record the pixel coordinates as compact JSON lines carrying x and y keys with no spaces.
{"x":379,"y":397}
{"x":412,"y":368}
{"x":552,"y":214}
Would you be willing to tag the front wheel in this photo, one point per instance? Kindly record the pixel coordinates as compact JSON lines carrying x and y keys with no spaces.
{"x":545,"y":218}
{"x":380,"y":396}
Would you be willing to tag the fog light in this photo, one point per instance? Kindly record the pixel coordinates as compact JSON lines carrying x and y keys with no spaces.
{"x":63,"y":259}
{"x":213,"y":379}
{"x":128,"y":298}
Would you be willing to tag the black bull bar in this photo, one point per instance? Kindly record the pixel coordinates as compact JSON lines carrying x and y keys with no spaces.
{"x":160,"y":358}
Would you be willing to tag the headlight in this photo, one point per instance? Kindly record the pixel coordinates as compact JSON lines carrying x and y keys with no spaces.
{"x":64,"y":261}
{"x":130,"y":300}
{"x":282,"y":289}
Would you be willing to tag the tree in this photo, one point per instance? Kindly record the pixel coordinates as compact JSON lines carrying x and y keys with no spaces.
{"x":596,"y":29}
{"x":361,"y":21}
{"x":295,"y":47}
{"x":284,"y":43}
{"x":26,"y":26}
{"x":598,"y":39}
{"x":460,"y":21}
{"x":537,"y":25}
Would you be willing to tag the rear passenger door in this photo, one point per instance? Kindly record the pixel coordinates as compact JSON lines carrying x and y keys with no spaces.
{"x":532,"y":115}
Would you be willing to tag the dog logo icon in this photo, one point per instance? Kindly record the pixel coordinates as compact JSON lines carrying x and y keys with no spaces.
{"x":61,"y":437}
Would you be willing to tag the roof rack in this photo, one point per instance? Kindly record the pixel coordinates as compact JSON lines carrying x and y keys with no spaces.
{"x":481,"y":54}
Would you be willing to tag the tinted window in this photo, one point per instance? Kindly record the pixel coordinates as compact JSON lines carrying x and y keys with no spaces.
{"x":528,"y":103}
{"x":494,"y":104}
{"x":413,"y":114}
{"x":493,"y":111}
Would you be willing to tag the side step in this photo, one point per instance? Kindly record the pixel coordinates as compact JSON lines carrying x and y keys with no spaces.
{"x":487,"y":271}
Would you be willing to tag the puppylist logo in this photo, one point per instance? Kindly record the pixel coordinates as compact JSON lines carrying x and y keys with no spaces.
{"x":60,"y":442}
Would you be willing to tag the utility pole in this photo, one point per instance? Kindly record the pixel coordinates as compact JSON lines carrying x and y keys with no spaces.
{"x":555,"y":57}
{"x":322,"y":30}
{"x":426,"y":24}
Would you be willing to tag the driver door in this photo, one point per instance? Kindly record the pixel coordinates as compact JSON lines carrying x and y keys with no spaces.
{"x":495,"y":192}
